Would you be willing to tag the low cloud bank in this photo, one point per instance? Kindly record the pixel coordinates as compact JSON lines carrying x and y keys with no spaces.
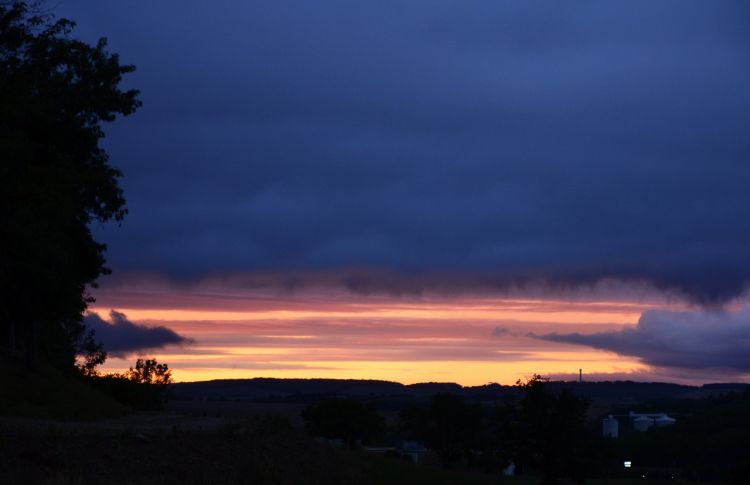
{"x":120,"y":336}
{"x":700,"y":339}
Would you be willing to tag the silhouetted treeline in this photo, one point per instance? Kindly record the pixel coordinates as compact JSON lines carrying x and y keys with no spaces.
{"x":394,"y":395}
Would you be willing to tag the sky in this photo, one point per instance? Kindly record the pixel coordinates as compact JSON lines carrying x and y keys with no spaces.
{"x":468,"y":191}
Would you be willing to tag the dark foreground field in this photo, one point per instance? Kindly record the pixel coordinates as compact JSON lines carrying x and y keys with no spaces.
{"x":246,"y":446}
{"x":56,"y":430}
{"x":263,"y":450}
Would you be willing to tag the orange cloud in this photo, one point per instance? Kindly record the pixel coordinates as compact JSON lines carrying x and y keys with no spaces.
{"x":340,"y":335}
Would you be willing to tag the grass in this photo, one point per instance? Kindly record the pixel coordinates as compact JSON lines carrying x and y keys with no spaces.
{"x":257,"y":451}
{"x":157,"y":449}
{"x":46,"y":393}
{"x":192,"y":443}
{"x":387,"y":471}
{"x":382,"y":471}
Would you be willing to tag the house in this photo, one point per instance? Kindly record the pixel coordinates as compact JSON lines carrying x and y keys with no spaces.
{"x":635,"y":422}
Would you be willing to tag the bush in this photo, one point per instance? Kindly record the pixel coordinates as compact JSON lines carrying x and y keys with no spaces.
{"x":141,"y":387}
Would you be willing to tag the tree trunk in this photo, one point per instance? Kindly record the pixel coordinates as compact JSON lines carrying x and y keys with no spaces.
{"x":31,"y":345}
{"x":11,"y":337}
{"x":14,"y":346}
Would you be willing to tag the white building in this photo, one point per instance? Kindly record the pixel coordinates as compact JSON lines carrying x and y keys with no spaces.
{"x":644,"y":421}
{"x":637,"y":421}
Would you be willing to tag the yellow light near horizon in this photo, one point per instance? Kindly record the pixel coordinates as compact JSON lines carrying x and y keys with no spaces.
{"x":389,"y":340}
{"x":468,"y":373}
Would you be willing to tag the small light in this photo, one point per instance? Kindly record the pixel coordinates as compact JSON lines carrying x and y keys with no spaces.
{"x":628,"y":464}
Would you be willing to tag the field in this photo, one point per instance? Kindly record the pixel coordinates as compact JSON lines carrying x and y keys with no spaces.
{"x":383,"y":472}
{"x":206,"y":442}
{"x":57,"y":430}
{"x":255,"y":451}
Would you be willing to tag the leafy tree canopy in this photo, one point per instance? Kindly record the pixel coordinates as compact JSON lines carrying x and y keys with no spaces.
{"x":347,"y":419}
{"x":447,"y":424}
{"x":148,"y":371}
{"x":144,"y":386}
{"x":55,"y":94}
{"x":550,"y":432}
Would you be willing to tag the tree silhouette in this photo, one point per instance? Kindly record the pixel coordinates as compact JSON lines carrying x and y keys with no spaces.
{"x":55,"y":94}
{"x":91,"y":354}
{"x":346,"y":419}
{"x":446,"y":424}
{"x":149,"y":372}
{"x":143,"y":386}
{"x":550,"y":432}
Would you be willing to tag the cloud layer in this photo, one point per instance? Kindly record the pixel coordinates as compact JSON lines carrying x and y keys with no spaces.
{"x":688,"y":340}
{"x":120,"y":336}
{"x":503,"y":142}
{"x":344,"y":335}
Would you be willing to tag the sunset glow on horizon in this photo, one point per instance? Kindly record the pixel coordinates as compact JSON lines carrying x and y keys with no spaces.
{"x":470,"y":340}
{"x":470,"y":193}
{"x":375,"y":242}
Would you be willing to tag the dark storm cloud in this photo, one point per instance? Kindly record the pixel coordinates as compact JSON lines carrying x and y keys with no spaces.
{"x":688,"y":340}
{"x":121,"y":336}
{"x":518,"y":141}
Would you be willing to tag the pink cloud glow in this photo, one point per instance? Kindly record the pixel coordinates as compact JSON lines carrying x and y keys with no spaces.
{"x":323,"y":332}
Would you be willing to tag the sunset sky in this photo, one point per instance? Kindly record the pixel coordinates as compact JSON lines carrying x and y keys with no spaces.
{"x":430,"y":190}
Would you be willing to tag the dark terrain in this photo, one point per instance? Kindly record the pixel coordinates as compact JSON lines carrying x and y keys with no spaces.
{"x":57,"y":430}
{"x":307,"y":390}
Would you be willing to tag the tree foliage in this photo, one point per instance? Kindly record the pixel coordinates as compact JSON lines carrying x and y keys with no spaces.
{"x":91,"y":354}
{"x":55,"y":94}
{"x":150,"y":372}
{"x":346,"y":419}
{"x":143,"y":386}
{"x":446,"y":424}
{"x":549,"y":432}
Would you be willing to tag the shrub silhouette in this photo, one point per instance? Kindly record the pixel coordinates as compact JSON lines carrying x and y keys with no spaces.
{"x":144,"y":386}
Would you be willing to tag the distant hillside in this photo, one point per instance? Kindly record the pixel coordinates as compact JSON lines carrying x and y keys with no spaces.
{"x":265,"y":388}
{"x":306,"y":390}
